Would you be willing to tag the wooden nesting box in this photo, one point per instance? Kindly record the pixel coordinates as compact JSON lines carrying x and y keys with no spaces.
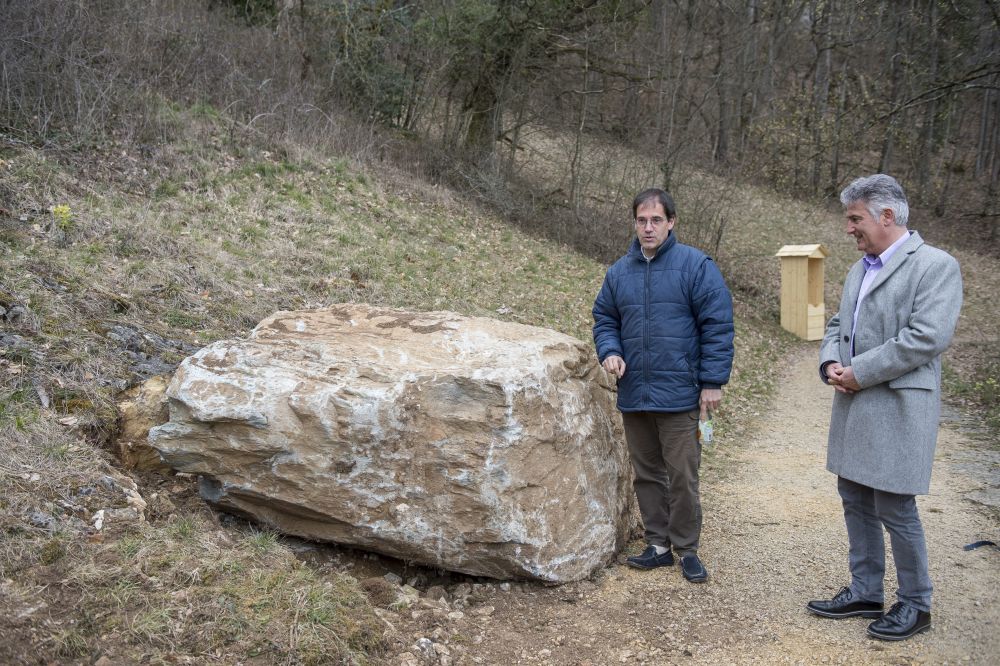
{"x":802,"y":309}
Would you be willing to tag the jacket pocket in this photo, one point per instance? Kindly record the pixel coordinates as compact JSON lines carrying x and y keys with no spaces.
{"x":923,"y":377}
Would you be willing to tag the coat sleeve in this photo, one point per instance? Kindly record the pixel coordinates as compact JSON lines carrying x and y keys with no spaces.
{"x":829,"y":350}
{"x":713,"y":310}
{"x":928,"y":329}
{"x":607,"y":323}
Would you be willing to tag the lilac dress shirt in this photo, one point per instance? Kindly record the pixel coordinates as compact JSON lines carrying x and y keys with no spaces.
{"x":873,"y":265}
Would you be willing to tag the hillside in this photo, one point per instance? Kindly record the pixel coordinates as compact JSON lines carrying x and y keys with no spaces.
{"x":119,"y":261}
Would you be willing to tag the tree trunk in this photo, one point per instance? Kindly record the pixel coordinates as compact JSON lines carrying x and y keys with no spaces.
{"x":837,"y":128}
{"x":895,"y":78}
{"x":930,"y":109}
{"x":821,"y":83}
{"x":722,"y":91}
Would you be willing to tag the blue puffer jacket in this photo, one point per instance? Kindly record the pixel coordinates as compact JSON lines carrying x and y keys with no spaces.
{"x":671,"y":319}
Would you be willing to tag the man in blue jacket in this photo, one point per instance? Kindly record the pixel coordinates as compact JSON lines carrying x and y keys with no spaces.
{"x":663,"y":325}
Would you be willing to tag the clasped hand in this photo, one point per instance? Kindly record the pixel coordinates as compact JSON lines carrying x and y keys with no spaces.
{"x":842,"y":378}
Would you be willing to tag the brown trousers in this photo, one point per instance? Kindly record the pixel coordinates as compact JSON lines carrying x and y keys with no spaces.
{"x":666,"y":455}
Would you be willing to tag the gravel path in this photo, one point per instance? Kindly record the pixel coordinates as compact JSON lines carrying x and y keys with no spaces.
{"x":774,"y":538}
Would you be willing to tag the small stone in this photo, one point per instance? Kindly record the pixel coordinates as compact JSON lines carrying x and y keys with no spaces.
{"x":407,"y":659}
{"x":15,"y":314}
{"x":127,"y":337}
{"x":40,"y":519}
{"x":425,"y":647}
{"x":436,"y":592}
{"x":483,"y":611}
{"x":505,"y":587}
{"x":393,"y":578}
{"x":461,"y":591}
{"x":128,"y":515}
{"x":456,"y":615}
{"x":544,"y":654}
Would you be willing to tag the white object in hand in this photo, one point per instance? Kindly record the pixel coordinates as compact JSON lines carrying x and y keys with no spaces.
{"x":705,"y":430}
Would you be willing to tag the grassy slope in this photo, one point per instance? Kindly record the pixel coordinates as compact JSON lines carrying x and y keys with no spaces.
{"x":198,"y":242}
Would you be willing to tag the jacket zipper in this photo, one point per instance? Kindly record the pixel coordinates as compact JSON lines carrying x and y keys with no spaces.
{"x":645,"y":336}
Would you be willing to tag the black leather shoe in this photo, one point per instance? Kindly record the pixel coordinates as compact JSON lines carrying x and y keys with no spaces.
{"x":845,"y":605}
{"x":901,"y":622}
{"x":650,"y":560}
{"x":693,"y":570}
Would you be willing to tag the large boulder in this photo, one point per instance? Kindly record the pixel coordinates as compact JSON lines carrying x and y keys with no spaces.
{"x":468,"y":444}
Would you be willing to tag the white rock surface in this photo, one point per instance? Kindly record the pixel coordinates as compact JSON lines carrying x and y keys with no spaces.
{"x":469,"y":444}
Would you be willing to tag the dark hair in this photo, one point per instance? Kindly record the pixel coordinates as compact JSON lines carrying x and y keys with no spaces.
{"x":661,"y":196}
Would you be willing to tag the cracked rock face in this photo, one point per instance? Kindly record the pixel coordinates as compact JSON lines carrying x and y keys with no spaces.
{"x":468,"y":444}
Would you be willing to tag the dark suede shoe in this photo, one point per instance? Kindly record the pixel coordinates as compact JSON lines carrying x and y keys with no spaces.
{"x":693,"y":570}
{"x":844,"y":604}
{"x":901,"y":622}
{"x":650,"y":560}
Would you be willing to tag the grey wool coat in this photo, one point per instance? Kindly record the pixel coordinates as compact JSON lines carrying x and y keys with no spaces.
{"x":884,"y":435}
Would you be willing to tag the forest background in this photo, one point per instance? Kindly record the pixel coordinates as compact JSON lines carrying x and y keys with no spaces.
{"x":179,"y":169}
{"x":796,"y":95}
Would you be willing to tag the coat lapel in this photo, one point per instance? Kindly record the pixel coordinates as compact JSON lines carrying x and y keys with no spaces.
{"x":852,"y":285}
{"x":898,"y":259}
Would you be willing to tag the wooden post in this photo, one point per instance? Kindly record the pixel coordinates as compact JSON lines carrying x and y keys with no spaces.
{"x":802,"y":309}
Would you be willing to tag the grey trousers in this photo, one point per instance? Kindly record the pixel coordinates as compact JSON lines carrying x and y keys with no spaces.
{"x":866,"y":510}
{"x":666,"y":455}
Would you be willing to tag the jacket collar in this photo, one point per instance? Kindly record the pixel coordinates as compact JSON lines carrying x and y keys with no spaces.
{"x":898,"y":258}
{"x":852,"y":285}
{"x":635,"y":250}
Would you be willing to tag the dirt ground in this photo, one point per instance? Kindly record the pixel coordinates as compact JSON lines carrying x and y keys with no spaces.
{"x":773,"y":539}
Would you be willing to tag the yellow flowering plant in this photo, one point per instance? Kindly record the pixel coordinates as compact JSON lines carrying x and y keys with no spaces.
{"x":63,"y":215}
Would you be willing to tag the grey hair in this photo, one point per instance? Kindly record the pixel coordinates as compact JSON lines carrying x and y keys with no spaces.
{"x":878,"y":192}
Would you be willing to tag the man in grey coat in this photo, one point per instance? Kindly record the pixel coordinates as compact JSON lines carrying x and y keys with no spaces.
{"x":881,"y":353}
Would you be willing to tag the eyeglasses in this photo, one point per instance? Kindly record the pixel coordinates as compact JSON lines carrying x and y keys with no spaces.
{"x":643,"y":221}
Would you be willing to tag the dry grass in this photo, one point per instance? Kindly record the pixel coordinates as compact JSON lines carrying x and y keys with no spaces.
{"x":194,"y":243}
{"x":187,"y":590}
